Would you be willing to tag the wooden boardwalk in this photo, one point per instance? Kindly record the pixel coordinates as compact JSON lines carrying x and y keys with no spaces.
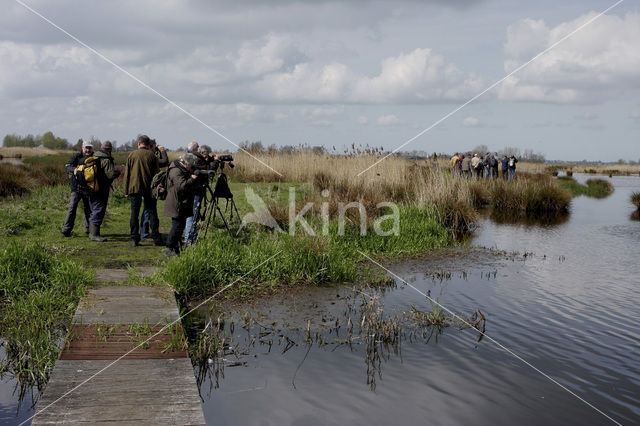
{"x":154,"y":384}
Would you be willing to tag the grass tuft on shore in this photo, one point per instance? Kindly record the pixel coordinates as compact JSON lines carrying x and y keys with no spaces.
{"x":596,"y":188}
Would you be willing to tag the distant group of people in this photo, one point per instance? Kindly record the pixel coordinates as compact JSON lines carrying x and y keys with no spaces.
{"x":184,"y":191}
{"x":466,"y":166}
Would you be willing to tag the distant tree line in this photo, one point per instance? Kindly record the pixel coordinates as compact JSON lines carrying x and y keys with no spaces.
{"x":48,"y":140}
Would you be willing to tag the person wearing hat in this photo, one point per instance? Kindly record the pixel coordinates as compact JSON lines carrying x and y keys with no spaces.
{"x":107,"y":173}
{"x":76,"y":194}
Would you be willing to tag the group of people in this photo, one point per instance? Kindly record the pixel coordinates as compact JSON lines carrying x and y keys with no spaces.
{"x":184,"y":191}
{"x":466,"y":166}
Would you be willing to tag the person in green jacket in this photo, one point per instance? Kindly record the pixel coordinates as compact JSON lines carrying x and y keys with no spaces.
{"x":141,"y":166}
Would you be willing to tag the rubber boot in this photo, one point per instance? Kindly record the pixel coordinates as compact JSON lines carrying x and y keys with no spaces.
{"x":94,"y":234}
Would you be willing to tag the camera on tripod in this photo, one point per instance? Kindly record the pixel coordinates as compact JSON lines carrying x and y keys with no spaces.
{"x":213,"y":193}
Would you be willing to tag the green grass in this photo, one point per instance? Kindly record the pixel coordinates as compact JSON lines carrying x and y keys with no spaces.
{"x":39,"y":292}
{"x":595,"y":188}
{"x":263,"y":261}
{"x":39,"y":215}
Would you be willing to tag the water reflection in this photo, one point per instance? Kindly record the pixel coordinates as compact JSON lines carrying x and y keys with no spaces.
{"x":505,"y":217}
{"x":18,"y":397}
{"x":354,"y":319}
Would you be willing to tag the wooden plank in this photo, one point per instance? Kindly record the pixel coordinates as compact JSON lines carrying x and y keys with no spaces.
{"x":114,"y":341}
{"x":126,"y":305}
{"x":158,"y":389}
{"x":151,"y":391}
{"x":122,"y":275}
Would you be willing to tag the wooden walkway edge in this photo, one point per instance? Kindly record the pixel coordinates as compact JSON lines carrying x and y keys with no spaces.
{"x":155,"y":384}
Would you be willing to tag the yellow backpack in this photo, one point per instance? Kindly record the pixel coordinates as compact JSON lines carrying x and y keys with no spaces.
{"x":86,"y":174}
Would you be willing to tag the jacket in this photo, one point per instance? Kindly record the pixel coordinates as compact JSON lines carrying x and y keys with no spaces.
{"x":71,"y":165}
{"x":180,"y":186}
{"x":466,"y":164}
{"x":142,"y":165}
{"x":107,"y":172}
{"x":476,"y":162}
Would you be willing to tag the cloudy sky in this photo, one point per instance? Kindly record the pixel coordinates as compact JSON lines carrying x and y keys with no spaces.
{"x":328,"y":73}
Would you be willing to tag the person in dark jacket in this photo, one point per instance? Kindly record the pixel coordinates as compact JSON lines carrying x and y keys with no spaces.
{"x":76,"y":193}
{"x":494,"y":163}
{"x":107,"y":173}
{"x":487,"y":165}
{"x":181,"y":182}
{"x":142,"y":165}
{"x":206,"y":161}
{"x":505,"y":166}
{"x":163,"y":161}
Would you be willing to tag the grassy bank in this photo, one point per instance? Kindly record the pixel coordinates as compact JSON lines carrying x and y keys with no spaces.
{"x":39,"y":292}
{"x":596,"y":188}
{"x":260,"y":260}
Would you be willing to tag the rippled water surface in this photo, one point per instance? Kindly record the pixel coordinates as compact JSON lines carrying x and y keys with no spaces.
{"x":562,"y":297}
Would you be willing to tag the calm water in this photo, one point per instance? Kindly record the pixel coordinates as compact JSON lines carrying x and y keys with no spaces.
{"x":563,"y":297}
{"x":569,"y":307}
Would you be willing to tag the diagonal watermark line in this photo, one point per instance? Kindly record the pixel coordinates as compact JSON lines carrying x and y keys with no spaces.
{"x":146,"y":341}
{"x":500,"y":345}
{"x":491,"y":87}
{"x":172,"y":103}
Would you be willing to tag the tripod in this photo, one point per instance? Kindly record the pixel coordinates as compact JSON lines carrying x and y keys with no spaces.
{"x":211,"y":201}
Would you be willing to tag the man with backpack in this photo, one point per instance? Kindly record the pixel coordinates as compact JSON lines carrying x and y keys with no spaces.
{"x":106,"y":173}
{"x":76,"y":193}
{"x":142,"y":165}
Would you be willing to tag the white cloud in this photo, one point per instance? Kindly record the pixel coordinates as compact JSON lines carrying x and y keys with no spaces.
{"x":598,"y":62}
{"x":276,"y":53}
{"x":635,"y":115}
{"x":387,"y":120}
{"x":363,"y":120}
{"x":471,"y":122}
{"x":416,"y":77}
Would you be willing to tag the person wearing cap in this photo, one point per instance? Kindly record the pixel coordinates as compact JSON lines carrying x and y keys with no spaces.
{"x":107,"y":173}
{"x":76,"y":194}
{"x":142,"y":165}
{"x":181,"y":182}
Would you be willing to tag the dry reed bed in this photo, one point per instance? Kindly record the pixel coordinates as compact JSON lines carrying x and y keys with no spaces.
{"x":411,"y":183}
